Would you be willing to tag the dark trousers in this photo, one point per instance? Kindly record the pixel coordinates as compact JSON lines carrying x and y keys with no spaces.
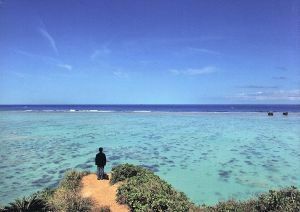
{"x":100,"y":172}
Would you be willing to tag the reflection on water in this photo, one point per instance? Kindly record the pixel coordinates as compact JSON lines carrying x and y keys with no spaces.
{"x":208,"y":156}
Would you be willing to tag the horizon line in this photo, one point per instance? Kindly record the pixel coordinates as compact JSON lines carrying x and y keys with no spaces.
{"x":116,"y":104}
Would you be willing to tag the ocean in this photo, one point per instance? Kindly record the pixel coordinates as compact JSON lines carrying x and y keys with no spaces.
{"x":210,"y":152}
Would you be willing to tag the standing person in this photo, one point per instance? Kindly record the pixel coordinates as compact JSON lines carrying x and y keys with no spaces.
{"x":100,"y":161}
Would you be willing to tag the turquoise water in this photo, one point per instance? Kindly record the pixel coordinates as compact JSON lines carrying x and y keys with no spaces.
{"x":209,"y":156}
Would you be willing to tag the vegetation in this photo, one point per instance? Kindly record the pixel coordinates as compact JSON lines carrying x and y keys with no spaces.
{"x":284,"y":200}
{"x":125,"y":171}
{"x":102,"y":209}
{"x":142,"y":190}
{"x":27,"y":204}
{"x":65,"y":198}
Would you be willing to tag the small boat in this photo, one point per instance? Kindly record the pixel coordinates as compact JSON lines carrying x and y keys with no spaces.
{"x":285,"y":113}
{"x":270,"y":114}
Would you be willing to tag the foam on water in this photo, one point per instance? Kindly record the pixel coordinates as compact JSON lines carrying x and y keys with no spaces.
{"x":209,"y":156}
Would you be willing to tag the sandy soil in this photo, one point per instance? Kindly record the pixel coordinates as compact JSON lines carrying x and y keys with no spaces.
{"x":102,"y":193}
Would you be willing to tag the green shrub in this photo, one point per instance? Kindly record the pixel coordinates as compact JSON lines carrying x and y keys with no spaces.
{"x":72,"y":179}
{"x":142,"y":190}
{"x":45,"y":194}
{"x":65,"y":200}
{"x":66,"y":197}
{"x":102,"y":209}
{"x":30,"y":204}
{"x":125,"y":171}
{"x":284,"y":200}
{"x":145,"y":191}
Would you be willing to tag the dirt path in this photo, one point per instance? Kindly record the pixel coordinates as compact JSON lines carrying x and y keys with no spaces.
{"x":102,"y":193}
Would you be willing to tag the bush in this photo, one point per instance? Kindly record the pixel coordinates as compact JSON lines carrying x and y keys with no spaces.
{"x":284,"y":200}
{"x":102,"y":209}
{"x":125,"y":171}
{"x":66,"y":197}
{"x":72,"y":179}
{"x":68,"y":201}
{"x":144,"y":191}
{"x":30,"y":204}
{"x":45,"y":194}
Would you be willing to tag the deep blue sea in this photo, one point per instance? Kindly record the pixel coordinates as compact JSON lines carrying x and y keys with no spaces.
{"x":154,"y":108}
{"x":210,"y":152}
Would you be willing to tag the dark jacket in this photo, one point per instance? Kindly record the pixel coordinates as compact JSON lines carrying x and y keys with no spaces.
{"x":100,"y":159}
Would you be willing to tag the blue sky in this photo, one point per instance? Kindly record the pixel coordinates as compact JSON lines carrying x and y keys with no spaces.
{"x":149,"y":52}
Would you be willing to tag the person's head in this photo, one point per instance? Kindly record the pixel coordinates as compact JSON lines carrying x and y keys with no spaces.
{"x":100,"y":149}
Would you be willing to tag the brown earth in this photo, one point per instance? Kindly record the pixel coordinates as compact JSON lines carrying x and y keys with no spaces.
{"x":102,"y":193}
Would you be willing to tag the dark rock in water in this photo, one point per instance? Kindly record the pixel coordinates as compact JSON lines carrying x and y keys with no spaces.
{"x":115,"y":164}
{"x":153,"y":168}
{"x":285,"y":113}
{"x":294,"y":178}
{"x":218,"y":193}
{"x":115,"y":157}
{"x":51,"y":172}
{"x":232,"y":160}
{"x":54,"y":185}
{"x":233,"y":150}
{"x":224,"y":174}
{"x":170,"y":161}
{"x":270,"y":114}
{"x":56,"y":161}
{"x":41,"y":181}
{"x":90,"y":160}
{"x":16,"y":183}
{"x":248,"y":162}
{"x":62,"y":171}
{"x":84,"y":166}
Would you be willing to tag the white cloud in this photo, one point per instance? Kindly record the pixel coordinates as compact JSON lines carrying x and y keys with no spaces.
{"x":287,"y":95}
{"x":203,"y":50}
{"x":46,"y":59}
{"x":49,"y":39}
{"x":258,"y":86}
{"x":120,"y":74}
{"x":193,"y":72}
{"x":65,"y":66}
{"x":100,"y":52}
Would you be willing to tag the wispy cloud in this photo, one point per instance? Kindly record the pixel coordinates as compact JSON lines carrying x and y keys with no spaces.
{"x":279,"y":78}
{"x":45,"y":59}
{"x":285,"y":95}
{"x":120,"y":74}
{"x":258,"y":86}
{"x":18,"y":74}
{"x":65,"y":66}
{"x":204,"y":51}
{"x":281,"y":68}
{"x":194,"y":71}
{"x":100,"y":52}
{"x":49,"y":39}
